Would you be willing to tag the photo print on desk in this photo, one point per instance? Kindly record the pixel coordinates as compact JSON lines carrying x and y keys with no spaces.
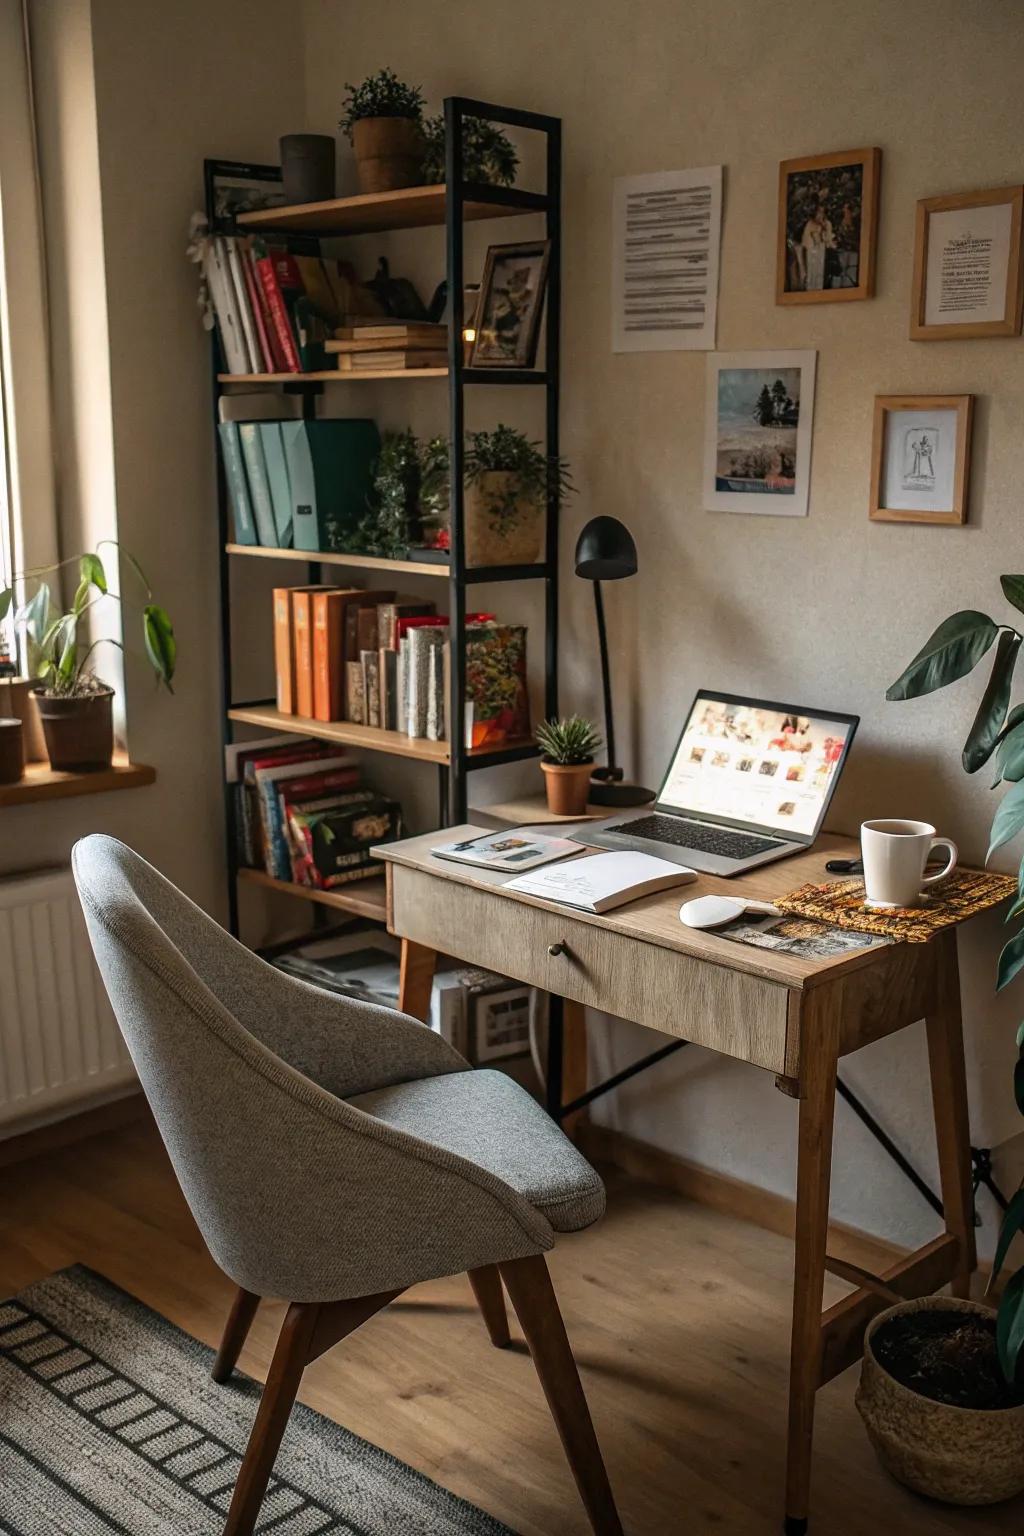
{"x":757,"y":432}
{"x":828,"y":220}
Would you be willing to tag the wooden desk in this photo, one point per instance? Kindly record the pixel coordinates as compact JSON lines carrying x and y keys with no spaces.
{"x":792,"y":1017}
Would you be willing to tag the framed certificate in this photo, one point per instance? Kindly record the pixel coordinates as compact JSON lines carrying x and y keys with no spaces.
{"x":920,"y":458}
{"x":968,"y":277}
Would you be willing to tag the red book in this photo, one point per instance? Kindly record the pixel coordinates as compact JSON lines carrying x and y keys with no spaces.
{"x":433,"y":620}
{"x":267,"y":274}
{"x":273,"y":362}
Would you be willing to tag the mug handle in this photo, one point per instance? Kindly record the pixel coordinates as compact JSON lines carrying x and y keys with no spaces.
{"x":943,"y":842}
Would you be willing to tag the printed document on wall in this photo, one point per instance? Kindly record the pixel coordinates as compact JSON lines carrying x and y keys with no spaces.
{"x":667,"y":233}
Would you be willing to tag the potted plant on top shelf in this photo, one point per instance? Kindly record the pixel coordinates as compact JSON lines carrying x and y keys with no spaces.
{"x":383,"y":121}
{"x":569,"y":747}
{"x":488,"y":154}
{"x":508,"y":484}
{"x":74,"y":705}
{"x":942,"y":1392}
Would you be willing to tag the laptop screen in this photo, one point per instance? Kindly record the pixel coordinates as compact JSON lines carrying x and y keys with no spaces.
{"x":766,"y":765}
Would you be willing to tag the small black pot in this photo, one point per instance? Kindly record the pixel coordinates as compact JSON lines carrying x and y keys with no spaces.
{"x":307,"y":167}
{"x":79,"y":731}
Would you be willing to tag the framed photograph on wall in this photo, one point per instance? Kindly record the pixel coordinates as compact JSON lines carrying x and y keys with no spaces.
{"x":757,"y":432}
{"x":921,"y":458}
{"x":828,"y":222}
{"x":511,"y":300}
{"x":968,"y":274}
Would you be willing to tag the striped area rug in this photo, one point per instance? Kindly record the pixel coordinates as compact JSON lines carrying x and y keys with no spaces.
{"x":111,"y":1426}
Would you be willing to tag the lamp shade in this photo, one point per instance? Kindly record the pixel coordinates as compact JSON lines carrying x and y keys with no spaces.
{"x":605,"y":551}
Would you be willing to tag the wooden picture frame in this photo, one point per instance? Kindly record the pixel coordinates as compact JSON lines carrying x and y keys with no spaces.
{"x":934,"y":438}
{"x":486,"y":351}
{"x":928,"y":265}
{"x":837,"y":259}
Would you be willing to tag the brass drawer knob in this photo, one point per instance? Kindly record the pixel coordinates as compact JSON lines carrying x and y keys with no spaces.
{"x":561,"y":948}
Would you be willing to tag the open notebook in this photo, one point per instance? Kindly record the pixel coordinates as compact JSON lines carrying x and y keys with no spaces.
{"x":601,"y":883}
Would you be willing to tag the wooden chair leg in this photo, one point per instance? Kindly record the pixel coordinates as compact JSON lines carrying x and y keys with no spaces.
{"x":286,"y":1368}
{"x":415,"y":979}
{"x":490,"y":1298}
{"x":949,"y":1098}
{"x":236,"y":1331}
{"x":533,"y":1297}
{"x":820,"y":1037}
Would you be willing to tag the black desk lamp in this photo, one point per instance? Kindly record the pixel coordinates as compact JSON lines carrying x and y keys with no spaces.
{"x":605,"y":552}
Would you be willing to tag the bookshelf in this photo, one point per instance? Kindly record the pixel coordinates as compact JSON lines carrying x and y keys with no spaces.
{"x":433,"y":209}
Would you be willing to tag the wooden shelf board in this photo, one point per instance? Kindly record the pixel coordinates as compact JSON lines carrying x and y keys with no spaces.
{"x":332,"y":376}
{"x":532,"y":811}
{"x":370,"y":737}
{"x":363,"y":898}
{"x":41,"y":782}
{"x":370,"y":213}
{"x":332,"y":557}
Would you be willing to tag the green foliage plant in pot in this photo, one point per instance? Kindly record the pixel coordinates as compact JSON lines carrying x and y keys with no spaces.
{"x":569,"y":747}
{"x":509,"y":483}
{"x":488,"y":154}
{"x":964,"y":1445}
{"x":383,"y":121}
{"x":74,"y":705}
{"x":391,"y":524}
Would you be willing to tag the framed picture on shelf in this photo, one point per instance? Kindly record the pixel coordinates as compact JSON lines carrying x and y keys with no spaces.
{"x":509,"y":309}
{"x":499,"y":1021}
{"x":828,"y":222}
{"x":921,"y":458}
{"x":968,"y":275}
{"x":234,"y":187}
{"x":757,"y":432}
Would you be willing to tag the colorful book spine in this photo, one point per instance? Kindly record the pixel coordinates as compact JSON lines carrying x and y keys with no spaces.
{"x":278,"y":312}
{"x":328,"y":655}
{"x":278,"y":361}
{"x":238,"y":485}
{"x":355,"y":693}
{"x":259,"y":486}
{"x":302,"y":640}
{"x":284,"y":650}
{"x":280,"y":485}
{"x":253,"y":291}
{"x":254,"y":357}
{"x":370,"y":661}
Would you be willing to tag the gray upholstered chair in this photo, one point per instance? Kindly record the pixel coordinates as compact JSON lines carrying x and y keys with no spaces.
{"x":334,"y":1153}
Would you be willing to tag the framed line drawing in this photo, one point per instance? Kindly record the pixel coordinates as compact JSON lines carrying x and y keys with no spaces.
{"x":921,"y":458}
{"x":968,"y":274}
{"x":828,"y":225}
{"x":757,"y":432}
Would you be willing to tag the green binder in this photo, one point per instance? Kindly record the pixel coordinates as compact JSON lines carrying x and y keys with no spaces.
{"x":330,"y":471}
{"x":277,"y":475}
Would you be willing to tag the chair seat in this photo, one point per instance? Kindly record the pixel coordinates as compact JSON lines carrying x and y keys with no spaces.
{"x":487,"y":1118}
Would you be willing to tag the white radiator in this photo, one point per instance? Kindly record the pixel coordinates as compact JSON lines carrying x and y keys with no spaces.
{"x":60,"y":1047}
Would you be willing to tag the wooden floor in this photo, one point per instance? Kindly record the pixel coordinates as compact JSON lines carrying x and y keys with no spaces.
{"x":679,"y":1317}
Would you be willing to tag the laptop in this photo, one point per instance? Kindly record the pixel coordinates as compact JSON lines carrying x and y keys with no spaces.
{"x":749,"y":782}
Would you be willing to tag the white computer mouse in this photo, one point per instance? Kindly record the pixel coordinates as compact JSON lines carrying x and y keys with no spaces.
{"x":715,"y":911}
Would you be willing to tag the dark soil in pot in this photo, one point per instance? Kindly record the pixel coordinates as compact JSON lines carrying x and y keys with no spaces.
{"x":948,"y":1357}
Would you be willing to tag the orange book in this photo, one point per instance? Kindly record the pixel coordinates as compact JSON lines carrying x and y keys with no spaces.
{"x":284,"y":646}
{"x":329,"y":653}
{"x":302,"y":643}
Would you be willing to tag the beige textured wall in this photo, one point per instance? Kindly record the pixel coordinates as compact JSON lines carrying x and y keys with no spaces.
{"x":824,"y":610}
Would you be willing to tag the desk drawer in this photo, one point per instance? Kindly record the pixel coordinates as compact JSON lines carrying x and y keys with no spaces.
{"x":726,"y":1010}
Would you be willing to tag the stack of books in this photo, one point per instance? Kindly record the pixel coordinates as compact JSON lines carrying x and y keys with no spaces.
{"x":303,"y":813}
{"x":368,"y":348}
{"x":381,"y":659}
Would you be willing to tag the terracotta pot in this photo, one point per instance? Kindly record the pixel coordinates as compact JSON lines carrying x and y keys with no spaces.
{"x":12,"y":759}
{"x":959,"y":1455}
{"x":17,"y":700}
{"x":79,"y":732}
{"x":567,"y":786}
{"x":502,"y":528}
{"x":389,"y":153}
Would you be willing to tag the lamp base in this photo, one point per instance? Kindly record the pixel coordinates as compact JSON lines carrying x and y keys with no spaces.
{"x":608,"y":786}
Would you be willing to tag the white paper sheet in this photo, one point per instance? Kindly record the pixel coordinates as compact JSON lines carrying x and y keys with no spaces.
{"x":667,"y":230}
{"x":968,"y":252}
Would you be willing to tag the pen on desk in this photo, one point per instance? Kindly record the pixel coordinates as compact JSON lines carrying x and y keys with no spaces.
{"x":845,"y":867}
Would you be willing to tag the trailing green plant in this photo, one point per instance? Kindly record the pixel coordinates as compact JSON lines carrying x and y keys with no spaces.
{"x":380,"y":95}
{"x":59,"y":653}
{"x":435,"y":493}
{"x":390,"y":524}
{"x":488,"y":154}
{"x":997,"y":733}
{"x":572,"y":740}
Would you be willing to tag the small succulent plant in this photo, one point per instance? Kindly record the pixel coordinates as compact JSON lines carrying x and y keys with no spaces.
{"x":573,"y":740}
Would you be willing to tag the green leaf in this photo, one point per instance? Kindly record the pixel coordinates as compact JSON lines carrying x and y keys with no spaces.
{"x":33,"y":615}
{"x":1013,"y":590}
{"x":91,"y":572}
{"x":1013,"y":1222}
{"x":995,"y":701}
{"x":161,"y":646}
{"x":1008,"y":820}
{"x":1018,"y":1082}
{"x":1010,"y":1326}
{"x":1011,"y":960}
{"x":1015,"y":910}
{"x":953,"y":650}
{"x":81,"y":598}
{"x":67,"y":648}
{"x":1010,"y":755}
{"x":6,"y":599}
{"x":1020,"y":1035}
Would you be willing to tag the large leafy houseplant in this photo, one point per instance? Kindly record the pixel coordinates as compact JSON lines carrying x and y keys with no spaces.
{"x":997,"y":735}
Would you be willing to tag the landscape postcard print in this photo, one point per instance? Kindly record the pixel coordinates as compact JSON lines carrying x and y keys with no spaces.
{"x":757,"y":445}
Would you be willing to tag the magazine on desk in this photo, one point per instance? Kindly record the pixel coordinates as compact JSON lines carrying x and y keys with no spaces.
{"x":603,"y":882}
{"x":513,"y":850}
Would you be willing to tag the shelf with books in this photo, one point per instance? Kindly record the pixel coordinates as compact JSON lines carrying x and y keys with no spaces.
{"x":362,"y":898}
{"x":332,"y":376}
{"x":408,"y":208}
{"x":350,"y":561}
{"x":371,"y":738}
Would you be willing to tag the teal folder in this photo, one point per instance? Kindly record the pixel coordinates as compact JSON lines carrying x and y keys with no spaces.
{"x":277,"y":475}
{"x":238,"y":486}
{"x":259,"y":485}
{"x":330,"y":470}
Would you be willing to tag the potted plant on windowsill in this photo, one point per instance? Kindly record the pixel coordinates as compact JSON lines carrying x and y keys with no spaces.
{"x":942,"y":1390}
{"x":74,"y":705}
{"x":569,"y":747}
{"x":383,"y":121}
{"x":508,"y":484}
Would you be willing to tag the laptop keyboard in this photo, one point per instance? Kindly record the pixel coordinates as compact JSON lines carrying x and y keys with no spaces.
{"x":695,"y":834}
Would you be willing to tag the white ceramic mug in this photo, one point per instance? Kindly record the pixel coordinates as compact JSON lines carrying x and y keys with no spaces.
{"x":895,"y":854}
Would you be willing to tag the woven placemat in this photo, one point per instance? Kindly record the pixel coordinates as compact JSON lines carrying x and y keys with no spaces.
{"x":841,"y":902}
